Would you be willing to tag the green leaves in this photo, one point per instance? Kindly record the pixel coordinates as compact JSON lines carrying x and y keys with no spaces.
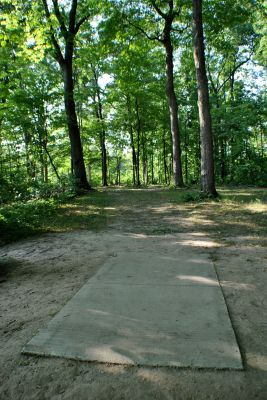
{"x":31,"y":92}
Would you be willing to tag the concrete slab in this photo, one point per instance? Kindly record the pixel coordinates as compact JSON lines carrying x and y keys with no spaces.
{"x":145,"y":310}
{"x":146,"y":268}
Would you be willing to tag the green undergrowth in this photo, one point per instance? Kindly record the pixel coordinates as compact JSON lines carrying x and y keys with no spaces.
{"x":21,"y":219}
{"x":25,"y":218}
{"x":146,"y":210}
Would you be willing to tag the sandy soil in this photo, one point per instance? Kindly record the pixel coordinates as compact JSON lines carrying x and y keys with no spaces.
{"x":39,"y":275}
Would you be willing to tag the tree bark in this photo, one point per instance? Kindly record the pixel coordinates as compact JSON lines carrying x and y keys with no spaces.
{"x":73,"y":128}
{"x":173,"y":108}
{"x":165,"y":160}
{"x":168,"y":18}
{"x":102,"y":135}
{"x":207,"y":163}
{"x":134,"y":161}
{"x":223,"y":160}
{"x":152,"y":164}
{"x":186,"y":146}
{"x":66,"y":65}
{"x":103,"y":144}
{"x":138,"y":129}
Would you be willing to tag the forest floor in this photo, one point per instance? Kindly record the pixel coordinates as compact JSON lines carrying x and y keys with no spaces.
{"x":39,"y":274}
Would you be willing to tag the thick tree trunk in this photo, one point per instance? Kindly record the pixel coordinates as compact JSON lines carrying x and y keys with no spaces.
{"x":73,"y":128}
{"x":169,"y":18}
{"x":207,"y":163}
{"x":173,"y":107}
{"x":65,"y":61}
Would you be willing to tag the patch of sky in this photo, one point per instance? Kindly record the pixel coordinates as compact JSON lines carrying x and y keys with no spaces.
{"x":254,"y":77}
{"x":104,"y":80}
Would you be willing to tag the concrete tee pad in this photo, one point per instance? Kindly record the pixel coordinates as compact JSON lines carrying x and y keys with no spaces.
{"x":146,"y":308}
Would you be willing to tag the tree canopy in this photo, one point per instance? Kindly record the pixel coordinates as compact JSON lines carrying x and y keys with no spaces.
{"x":84,"y":101}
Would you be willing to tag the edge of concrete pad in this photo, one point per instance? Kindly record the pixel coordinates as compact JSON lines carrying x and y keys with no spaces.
{"x":131,"y":364}
{"x":241,"y":352}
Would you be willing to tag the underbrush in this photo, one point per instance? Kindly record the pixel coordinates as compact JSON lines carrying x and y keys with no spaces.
{"x":22,"y":219}
{"x":27,"y":207}
{"x":24,"y":189}
{"x":63,"y":212}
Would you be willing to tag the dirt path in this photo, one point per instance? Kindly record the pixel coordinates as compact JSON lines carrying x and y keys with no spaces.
{"x":39,"y":275}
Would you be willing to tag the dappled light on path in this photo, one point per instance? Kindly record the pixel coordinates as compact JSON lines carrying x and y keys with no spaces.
{"x":257,"y":361}
{"x":197,"y":279}
{"x":198,"y":243}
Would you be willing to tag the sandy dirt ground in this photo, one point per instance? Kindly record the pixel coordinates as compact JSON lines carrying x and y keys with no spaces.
{"x":39,"y":275}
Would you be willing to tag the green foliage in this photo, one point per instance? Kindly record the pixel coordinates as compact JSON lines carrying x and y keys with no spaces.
{"x":19,"y":189}
{"x":113,"y":44}
{"x":15,"y":188}
{"x":21,"y":219}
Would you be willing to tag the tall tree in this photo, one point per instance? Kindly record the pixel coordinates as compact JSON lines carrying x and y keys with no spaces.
{"x":102,"y":130}
{"x":165,"y":15}
{"x":168,"y":18}
{"x":207,"y":163}
{"x":68,"y":32}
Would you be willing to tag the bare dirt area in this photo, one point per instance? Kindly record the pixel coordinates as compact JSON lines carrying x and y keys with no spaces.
{"x":40,"y":274}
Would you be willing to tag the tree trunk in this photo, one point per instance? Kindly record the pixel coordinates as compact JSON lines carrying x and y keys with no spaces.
{"x":45,"y":169}
{"x":118,"y":171}
{"x":223,"y":160}
{"x":103,"y":150}
{"x":168,"y":18}
{"x":138,"y":129}
{"x":104,"y":159}
{"x":51,"y":160}
{"x":165,"y":160}
{"x":186,"y":145}
{"x":173,"y":107}
{"x":73,"y":128}
{"x":152,"y":168}
{"x":134,"y":161}
{"x":65,"y":61}
{"x":144,"y":159}
{"x":207,"y":163}
{"x":102,"y":140}
{"x":102,"y":135}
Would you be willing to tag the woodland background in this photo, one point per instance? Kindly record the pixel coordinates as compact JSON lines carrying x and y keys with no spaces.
{"x":120,"y":95}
